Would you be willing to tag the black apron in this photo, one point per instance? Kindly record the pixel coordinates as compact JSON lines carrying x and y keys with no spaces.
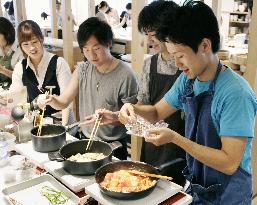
{"x":30,"y":82}
{"x":158,"y":155}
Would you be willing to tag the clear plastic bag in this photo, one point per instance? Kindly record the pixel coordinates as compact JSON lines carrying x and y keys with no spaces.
{"x":140,"y":126}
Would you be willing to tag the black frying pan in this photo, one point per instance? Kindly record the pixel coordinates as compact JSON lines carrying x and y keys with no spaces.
{"x":83,"y":168}
{"x":127,"y":165}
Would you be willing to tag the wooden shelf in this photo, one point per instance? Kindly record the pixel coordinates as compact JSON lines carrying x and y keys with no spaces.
{"x":238,"y":12}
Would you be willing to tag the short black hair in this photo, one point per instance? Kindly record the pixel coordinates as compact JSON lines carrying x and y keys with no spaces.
{"x":44,"y":15}
{"x":7,"y":30}
{"x":6,"y":5}
{"x":150,"y":16}
{"x":94,"y":26}
{"x":189,"y":25}
{"x":11,"y":8}
{"x":129,"y":6}
{"x":103,"y":4}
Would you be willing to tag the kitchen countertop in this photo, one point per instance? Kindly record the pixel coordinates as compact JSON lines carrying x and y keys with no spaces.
{"x":178,"y":199}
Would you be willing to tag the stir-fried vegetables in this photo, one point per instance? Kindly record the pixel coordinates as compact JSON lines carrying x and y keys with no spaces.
{"x":55,"y":197}
{"x":124,"y":181}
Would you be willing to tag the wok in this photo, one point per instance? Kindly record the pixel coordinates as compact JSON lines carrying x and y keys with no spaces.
{"x":129,"y":165}
{"x":84,"y":168}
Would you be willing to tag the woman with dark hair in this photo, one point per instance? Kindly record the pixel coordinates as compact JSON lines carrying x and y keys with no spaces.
{"x":40,"y":69}
{"x":111,"y":13}
{"x":125,"y":17}
{"x":10,"y":53}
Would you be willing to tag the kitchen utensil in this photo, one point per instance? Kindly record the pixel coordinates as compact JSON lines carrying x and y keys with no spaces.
{"x":17,"y":113}
{"x":52,"y":138}
{"x":150,"y":175}
{"x":93,"y":133}
{"x":84,"y":168}
{"x":130,"y":165}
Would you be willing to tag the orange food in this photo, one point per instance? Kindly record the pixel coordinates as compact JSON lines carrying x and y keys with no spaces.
{"x":123,"y":181}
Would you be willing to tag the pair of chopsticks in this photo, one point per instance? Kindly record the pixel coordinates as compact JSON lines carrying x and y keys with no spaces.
{"x":93,"y":133}
{"x":150,"y":175}
{"x":41,"y":118}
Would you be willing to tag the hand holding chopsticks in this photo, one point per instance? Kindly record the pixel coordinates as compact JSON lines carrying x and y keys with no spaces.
{"x":93,"y":133}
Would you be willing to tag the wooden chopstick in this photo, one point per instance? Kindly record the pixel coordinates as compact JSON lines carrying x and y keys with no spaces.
{"x":14,"y":201}
{"x":97,"y":126}
{"x":41,"y":119}
{"x":93,"y":133}
{"x":150,"y":175}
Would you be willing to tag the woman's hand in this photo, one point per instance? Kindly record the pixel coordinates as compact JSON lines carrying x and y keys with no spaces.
{"x":161,"y":136}
{"x":127,"y":113}
{"x":43,"y":100}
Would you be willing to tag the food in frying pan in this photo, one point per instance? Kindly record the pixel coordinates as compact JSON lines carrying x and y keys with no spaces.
{"x":124,"y":181}
{"x":87,"y":157}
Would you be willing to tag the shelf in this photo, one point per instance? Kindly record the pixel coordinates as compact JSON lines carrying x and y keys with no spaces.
{"x":238,"y":12}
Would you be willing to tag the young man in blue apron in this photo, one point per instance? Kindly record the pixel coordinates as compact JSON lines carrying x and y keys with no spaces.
{"x":219,"y":106}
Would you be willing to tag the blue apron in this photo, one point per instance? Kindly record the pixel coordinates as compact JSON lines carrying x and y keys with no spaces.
{"x":209,"y":186}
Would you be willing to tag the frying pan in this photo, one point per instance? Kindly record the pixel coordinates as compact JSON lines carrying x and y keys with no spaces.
{"x":128,"y":165}
{"x":84,"y":168}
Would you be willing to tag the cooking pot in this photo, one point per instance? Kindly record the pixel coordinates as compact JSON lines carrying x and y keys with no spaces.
{"x":75,"y":147}
{"x":130,"y":165}
{"x":52,"y":138}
